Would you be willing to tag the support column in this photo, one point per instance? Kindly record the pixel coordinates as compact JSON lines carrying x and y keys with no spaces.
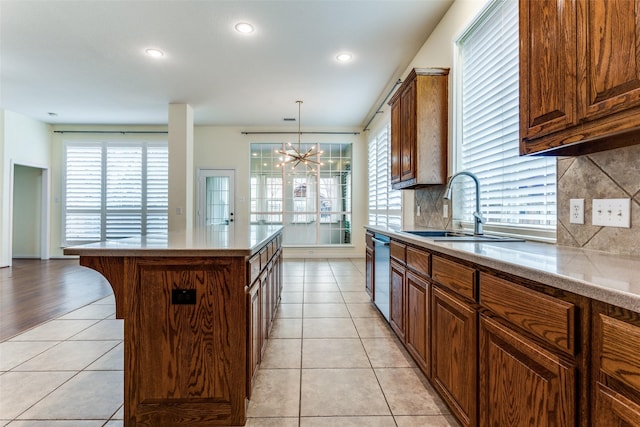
{"x":181,"y":175}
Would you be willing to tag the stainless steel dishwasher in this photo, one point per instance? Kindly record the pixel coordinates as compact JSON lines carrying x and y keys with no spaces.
{"x":381,"y":274}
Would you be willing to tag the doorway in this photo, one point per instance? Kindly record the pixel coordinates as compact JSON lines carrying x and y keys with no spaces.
{"x":216,"y":198}
{"x":30,"y":212}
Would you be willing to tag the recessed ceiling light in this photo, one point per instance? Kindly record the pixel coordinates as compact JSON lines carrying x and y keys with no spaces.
{"x":154,"y":53}
{"x":244,"y":28}
{"x":344,"y":57}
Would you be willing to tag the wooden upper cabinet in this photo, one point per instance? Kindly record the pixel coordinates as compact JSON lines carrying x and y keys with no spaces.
{"x":395,"y":144}
{"x":579,"y":75}
{"x":419,"y":129}
{"x":408,"y":132}
{"x":547,"y":67}
{"x":612,"y":70}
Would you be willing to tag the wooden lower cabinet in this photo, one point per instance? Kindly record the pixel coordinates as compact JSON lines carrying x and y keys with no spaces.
{"x":255,"y":336}
{"x":263,"y":298}
{"x":454,"y":354}
{"x":614,"y":409}
{"x":522,"y":384}
{"x":186,"y":325}
{"x":369,"y":271}
{"x":397,"y":299}
{"x":417,"y":330}
{"x":616,"y":367}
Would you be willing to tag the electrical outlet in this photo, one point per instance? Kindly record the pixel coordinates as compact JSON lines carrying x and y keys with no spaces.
{"x":576,"y":211}
{"x":445,"y":210}
{"x":612,"y":212}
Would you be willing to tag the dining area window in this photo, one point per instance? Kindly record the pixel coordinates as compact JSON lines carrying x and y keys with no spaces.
{"x":313,"y":203}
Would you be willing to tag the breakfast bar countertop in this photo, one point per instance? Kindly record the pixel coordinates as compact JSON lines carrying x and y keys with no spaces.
{"x":213,"y":240}
{"x":610,"y":278}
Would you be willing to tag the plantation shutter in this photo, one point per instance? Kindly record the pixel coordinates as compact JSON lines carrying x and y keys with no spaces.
{"x":114,"y":190}
{"x":385,"y":204}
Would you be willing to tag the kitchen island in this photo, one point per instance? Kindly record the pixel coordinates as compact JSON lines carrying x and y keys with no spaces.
{"x":190,"y":319}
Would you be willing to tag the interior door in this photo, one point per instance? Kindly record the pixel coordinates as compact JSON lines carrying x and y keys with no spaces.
{"x":215,"y":197}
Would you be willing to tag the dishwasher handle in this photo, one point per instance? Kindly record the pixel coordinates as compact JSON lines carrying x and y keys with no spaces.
{"x":380,"y":242}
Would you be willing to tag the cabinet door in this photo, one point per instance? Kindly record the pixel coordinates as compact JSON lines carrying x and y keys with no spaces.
{"x":417,"y":331}
{"x":611,"y":32}
{"x":396,"y":296}
{"x":265,"y":312}
{"x":548,"y":82}
{"x":454,"y":338}
{"x":614,"y":409}
{"x":616,"y":366}
{"x":254,"y":337}
{"x":197,"y":347}
{"x":408,"y":130}
{"x":369,"y":272}
{"x":522,"y":384}
{"x":396,"y":136}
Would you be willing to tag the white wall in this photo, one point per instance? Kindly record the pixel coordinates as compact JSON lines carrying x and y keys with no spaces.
{"x":25,"y":142}
{"x":438,"y":51}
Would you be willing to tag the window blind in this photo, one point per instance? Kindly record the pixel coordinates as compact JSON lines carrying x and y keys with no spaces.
{"x":385,"y":204}
{"x":114,"y":190}
{"x":516,"y":192}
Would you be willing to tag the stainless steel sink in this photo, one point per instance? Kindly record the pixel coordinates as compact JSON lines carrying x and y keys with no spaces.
{"x":454,"y":236}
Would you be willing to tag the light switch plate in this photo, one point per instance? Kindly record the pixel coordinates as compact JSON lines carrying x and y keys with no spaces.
{"x":612,"y":212}
{"x":576,"y":211}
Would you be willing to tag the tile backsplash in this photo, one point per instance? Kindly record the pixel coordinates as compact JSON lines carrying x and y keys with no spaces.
{"x":430,"y":201}
{"x":613,"y":174}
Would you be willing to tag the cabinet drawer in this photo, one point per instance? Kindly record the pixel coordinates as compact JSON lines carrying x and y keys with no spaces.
{"x":254,"y":268}
{"x":369,"y":240}
{"x":548,"y":318}
{"x":620,"y":357}
{"x":269,"y":250}
{"x":419,"y":261}
{"x":264,"y":258}
{"x":459,"y":278}
{"x":398,"y":251}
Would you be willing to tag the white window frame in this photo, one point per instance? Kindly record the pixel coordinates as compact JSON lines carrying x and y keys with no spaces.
{"x":461,"y":211}
{"x":102,"y":210}
{"x":304,"y":208}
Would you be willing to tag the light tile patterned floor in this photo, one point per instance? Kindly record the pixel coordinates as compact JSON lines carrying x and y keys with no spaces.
{"x":331,"y":361}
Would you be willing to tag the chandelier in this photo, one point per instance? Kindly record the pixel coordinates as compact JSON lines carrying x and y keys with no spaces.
{"x":294,"y":156}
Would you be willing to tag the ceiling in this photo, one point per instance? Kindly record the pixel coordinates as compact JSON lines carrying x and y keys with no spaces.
{"x":84,"y":60}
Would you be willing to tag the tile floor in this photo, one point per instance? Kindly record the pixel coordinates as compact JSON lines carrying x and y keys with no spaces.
{"x":331,"y":361}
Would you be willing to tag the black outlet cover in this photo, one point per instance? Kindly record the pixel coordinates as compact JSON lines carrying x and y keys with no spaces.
{"x":183,"y":296}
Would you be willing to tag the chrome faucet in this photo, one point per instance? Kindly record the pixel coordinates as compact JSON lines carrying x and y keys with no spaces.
{"x":477,"y":215}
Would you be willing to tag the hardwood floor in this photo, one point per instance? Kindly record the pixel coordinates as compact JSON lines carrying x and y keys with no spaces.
{"x":34,"y":291}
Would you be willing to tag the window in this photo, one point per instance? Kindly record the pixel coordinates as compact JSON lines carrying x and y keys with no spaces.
{"x":518,"y":194}
{"x":315,"y":209}
{"x":385,"y":204}
{"x":114,"y":190}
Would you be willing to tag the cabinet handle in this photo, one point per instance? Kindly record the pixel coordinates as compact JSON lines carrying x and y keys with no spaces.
{"x":382,"y":242}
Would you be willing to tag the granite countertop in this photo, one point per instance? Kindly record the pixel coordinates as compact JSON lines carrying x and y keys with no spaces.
{"x":209,"y":241}
{"x":614,"y":279}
